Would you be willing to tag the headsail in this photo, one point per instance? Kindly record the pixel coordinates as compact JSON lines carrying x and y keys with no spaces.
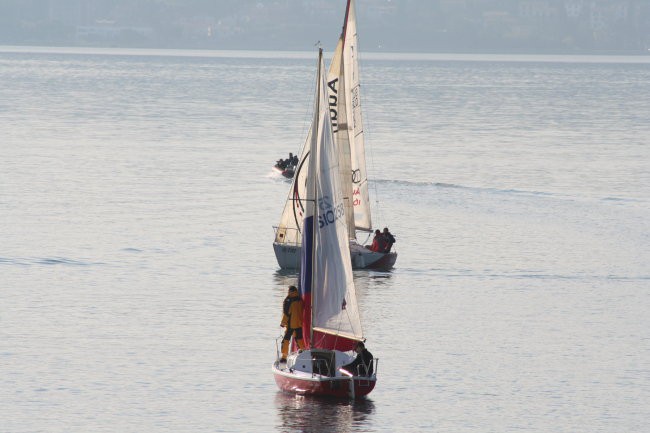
{"x":289,"y":229}
{"x":332,"y":316}
{"x":290,"y":226}
{"x":344,"y":103}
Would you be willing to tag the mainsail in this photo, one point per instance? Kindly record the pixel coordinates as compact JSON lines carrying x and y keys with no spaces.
{"x":350,"y":76}
{"x":344,"y":104}
{"x":338,"y":116}
{"x":331,"y":314}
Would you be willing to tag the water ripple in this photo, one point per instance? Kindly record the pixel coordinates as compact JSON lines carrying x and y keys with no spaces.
{"x":48,"y":261}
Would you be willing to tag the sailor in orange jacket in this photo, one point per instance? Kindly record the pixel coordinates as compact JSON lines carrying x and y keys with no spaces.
{"x":292,"y":310}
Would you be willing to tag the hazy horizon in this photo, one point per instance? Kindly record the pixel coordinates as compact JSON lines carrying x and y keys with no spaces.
{"x":407,"y":26}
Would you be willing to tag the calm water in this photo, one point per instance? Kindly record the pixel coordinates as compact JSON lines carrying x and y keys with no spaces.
{"x":139,"y":291}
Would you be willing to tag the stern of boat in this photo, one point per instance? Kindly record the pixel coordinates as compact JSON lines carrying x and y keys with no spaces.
{"x":317,"y":372}
{"x":287,"y":255}
{"x":364,"y":258}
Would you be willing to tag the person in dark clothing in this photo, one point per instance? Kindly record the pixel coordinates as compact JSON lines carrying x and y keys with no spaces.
{"x":362,"y":364}
{"x":389,"y":239}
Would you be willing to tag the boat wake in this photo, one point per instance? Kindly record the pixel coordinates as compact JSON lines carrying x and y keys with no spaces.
{"x":275,"y":175}
{"x":442,"y":185}
{"x":519,"y":275}
{"x":500,"y":191}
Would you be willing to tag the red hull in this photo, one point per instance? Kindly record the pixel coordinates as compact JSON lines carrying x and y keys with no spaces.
{"x":338,"y":387}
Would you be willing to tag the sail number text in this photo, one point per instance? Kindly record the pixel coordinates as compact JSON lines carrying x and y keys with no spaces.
{"x":328,"y":213}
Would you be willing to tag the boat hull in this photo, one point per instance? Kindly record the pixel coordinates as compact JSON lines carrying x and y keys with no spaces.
{"x":288,"y":257}
{"x":335,"y":387}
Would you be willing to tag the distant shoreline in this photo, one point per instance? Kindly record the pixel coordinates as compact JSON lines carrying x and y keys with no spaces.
{"x":308,"y":55}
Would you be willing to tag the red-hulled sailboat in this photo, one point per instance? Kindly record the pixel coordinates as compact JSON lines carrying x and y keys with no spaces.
{"x":331,"y":322}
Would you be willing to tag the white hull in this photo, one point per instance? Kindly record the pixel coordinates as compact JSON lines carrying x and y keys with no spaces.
{"x":288,"y":257}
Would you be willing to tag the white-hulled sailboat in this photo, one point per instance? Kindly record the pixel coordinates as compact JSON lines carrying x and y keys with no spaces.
{"x":344,"y":104}
{"x":331,"y":322}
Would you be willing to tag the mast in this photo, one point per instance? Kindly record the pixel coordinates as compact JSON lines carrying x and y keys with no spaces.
{"x":315,"y":198}
{"x":345,"y":20}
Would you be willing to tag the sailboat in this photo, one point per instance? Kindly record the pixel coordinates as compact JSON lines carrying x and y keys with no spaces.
{"x":344,"y":103}
{"x":331,"y":321}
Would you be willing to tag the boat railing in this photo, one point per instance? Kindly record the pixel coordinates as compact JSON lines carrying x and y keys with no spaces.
{"x":369,"y":370}
{"x":365,"y":380}
{"x":281,"y":236}
{"x":277,"y":346}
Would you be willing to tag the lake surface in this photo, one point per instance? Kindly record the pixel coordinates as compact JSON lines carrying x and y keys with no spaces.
{"x":139,"y":291}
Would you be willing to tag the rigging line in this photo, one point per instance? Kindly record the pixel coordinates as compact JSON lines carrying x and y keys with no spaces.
{"x":306,"y":123}
{"x":366,"y":130}
{"x":340,"y":323}
{"x":347,"y":313}
{"x":367,"y":238}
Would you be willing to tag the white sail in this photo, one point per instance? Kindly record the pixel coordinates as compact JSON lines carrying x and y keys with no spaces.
{"x":334,"y":305}
{"x":360,"y":195}
{"x":344,"y":103}
{"x":338,"y":116}
{"x":290,"y":227}
{"x":345,"y":111}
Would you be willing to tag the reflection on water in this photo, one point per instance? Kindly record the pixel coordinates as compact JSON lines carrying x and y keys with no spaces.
{"x":285,"y":277}
{"x":312,"y":414}
{"x":362,"y":277}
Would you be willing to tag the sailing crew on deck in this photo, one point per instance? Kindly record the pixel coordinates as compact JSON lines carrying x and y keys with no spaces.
{"x":292,"y":310}
{"x":362,"y":364}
